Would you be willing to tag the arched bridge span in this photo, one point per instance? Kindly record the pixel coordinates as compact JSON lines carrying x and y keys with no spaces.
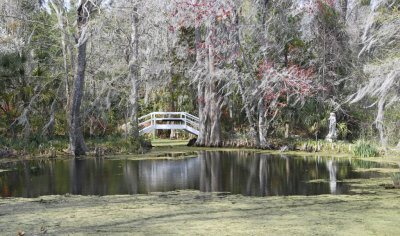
{"x":169,"y":120}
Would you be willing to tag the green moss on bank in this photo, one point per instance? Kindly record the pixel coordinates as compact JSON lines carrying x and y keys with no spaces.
{"x":372,"y":212}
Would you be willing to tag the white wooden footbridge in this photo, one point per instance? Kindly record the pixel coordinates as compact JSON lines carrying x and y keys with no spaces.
{"x":169,"y":120}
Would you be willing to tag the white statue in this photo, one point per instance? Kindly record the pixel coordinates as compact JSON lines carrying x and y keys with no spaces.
{"x":332,"y":135}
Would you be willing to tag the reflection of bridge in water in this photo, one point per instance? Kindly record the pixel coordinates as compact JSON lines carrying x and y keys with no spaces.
{"x":176,"y":120}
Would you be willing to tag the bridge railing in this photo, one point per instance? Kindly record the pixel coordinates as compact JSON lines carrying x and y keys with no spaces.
{"x":155,"y":120}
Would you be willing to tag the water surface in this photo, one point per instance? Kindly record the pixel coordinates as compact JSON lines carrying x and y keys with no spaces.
{"x":246,"y":173}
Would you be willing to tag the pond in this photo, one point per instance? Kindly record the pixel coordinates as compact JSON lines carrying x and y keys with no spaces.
{"x":240,"y":172}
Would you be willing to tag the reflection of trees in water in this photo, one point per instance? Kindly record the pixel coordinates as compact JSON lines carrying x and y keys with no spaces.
{"x":210,"y":171}
{"x":239,"y":172}
{"x":253,"y":168}
{"x":205,"y":185}
{"x":72,"y":175}
{"x":27,"y":176}
{"x":258,"y":174}
{"x":131,"y":176}
{"x":77,"y":177}
{"x":263,"y":176}
{"x":96,"y":176}
{"x":168,"y":175}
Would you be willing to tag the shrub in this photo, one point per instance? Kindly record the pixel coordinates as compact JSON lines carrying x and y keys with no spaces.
{"x":138,"y":144}
{"x":365,"y":149}
{"x":343,"y":130}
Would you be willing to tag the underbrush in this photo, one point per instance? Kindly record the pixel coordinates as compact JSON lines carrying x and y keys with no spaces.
{"x":34,"y":144}
{"x":110,"y":144}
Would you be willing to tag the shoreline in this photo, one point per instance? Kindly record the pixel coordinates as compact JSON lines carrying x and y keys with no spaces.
{"x":174,"y":150}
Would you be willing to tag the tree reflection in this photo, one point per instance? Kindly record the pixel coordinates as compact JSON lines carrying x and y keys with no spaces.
{"x":239,"y":172}
{"x":258,"y":174}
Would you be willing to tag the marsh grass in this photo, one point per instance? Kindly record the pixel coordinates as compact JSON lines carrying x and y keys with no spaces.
{"x":323,"y":146}
{"x":365,"y":149}
{"x":396,"y":179}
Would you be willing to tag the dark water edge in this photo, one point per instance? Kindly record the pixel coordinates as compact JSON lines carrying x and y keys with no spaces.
{"x":236,"y":172}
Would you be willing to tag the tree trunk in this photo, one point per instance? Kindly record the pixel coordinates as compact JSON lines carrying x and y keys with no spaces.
{"x":200,"y":91}
{"x":261,"y":125}
{"x":173,"y":134}
{"x":264,"y":11}
{"x":207,"y":121}
{"x":253,"y":126}
{"x":209,"y":105}
{"x":343,"y":5}
{"x":213,"y":104}
{"x":288,"y":116}
{"x":77,"y":142}
{"x":287,"y":129}
{"x":262,"y":131}
{"x":134,"y":73}
{"x":201,"y":138}
{"x":214,"y":117}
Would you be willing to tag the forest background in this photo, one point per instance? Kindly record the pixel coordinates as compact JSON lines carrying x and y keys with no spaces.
{"x":73,"y":72}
